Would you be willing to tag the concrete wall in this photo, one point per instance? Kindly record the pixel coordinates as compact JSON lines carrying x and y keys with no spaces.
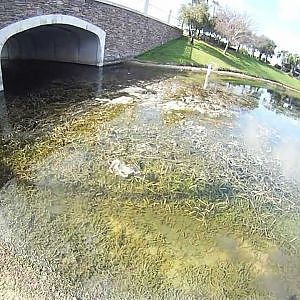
{"x":52,"y":37}
{"x":128,"y":33}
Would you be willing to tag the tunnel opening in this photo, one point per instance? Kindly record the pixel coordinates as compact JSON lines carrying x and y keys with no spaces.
{"x":56,"y":42}
{"x":49,"y":38}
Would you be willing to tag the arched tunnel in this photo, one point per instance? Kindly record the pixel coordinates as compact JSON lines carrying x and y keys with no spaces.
{"x":52,"y":38}
{"x":57,"y":42}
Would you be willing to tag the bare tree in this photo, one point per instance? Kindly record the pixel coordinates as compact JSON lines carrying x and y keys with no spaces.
{"x":232,"y":26}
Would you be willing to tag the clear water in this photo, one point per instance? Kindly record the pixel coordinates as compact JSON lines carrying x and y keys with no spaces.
{"x":211,"y":210}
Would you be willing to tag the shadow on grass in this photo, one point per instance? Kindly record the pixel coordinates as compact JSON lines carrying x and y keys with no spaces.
{"x":217,"y":54}
{"x":236,"y":60}
{"x":179,"y":51}
{"x":254,"y":66}
{"x":188,"y":53}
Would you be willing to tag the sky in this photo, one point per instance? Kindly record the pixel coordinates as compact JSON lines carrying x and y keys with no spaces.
{"x":277,"y":19}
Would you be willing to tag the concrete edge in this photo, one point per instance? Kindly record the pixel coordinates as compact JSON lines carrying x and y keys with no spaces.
{"x":200,"y":69}
{"x":136,"y":12}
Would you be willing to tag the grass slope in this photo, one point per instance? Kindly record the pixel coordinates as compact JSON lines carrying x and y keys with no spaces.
{"x":181,"y":52}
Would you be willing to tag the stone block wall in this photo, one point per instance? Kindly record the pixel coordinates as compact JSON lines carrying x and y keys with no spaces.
{"x":128,"y":33}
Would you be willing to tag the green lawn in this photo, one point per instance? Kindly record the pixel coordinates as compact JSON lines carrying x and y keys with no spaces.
{"x":181,"y":52}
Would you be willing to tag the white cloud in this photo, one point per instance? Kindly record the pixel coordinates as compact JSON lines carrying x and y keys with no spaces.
{"x":238,"y":5}
{"x":285,"y":39}
{"x":289,"y":10}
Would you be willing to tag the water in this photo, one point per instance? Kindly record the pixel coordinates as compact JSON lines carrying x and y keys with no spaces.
{"x":273,"y":128}
{"x":211,"y":212}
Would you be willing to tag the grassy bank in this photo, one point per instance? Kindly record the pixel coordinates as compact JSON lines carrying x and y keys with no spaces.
{"x":182,"y":53}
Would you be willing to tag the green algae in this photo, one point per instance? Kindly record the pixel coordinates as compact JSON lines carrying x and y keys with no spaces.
{"x":158,"y":247}
{"x":20,"y":158}
{"x":174,"y":232}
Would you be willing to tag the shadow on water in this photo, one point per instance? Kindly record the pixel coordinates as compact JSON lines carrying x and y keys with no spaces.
{"x":37,"y":93}
{"x":5,"y":133}
{"x":38,"y":89}
{"x":32,"y":76}
{"x":5,"y":125}
{"x":5,"y":174}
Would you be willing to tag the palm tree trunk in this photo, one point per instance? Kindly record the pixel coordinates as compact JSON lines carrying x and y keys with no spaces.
{"x":190,"y":32}
{"x":292,"y":70}
{"x":199,"y":34}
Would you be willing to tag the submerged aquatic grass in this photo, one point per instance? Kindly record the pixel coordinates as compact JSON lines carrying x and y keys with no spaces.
{"x":204,"y":218}
{"x":20,"y":158}
{"x":193,"y":91}
{"x":145,"y":248}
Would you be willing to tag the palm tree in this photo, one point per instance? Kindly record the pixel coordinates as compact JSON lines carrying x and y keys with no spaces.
{"x":265,"y":46}
{"x":293,"y":60}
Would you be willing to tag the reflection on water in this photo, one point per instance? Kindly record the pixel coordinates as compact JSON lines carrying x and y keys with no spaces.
{"x":273,"y":127}
{"x":278,"y":102}
{"x":211,"y":213}
{"x":44,"y":90}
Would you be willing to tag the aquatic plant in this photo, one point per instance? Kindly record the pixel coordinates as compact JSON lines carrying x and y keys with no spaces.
{"x":203,"y":217}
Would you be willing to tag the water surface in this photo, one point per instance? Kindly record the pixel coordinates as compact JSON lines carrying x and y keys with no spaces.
{"x":210,"y":210}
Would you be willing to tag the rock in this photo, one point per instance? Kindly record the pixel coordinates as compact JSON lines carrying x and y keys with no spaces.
{"x":134,"y":91}
{"x":122,"y":100}
{"x":102,"y":100}
{"x":174,"y":105}
{"x":119,"y":168}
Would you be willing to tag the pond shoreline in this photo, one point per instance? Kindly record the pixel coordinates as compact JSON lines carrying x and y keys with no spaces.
{"x":201,"y":69}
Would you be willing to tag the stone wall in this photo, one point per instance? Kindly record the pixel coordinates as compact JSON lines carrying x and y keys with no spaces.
{"x":128,"y":33}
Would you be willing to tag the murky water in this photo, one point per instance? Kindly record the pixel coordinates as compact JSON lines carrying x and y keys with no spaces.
{"x":134,"y":183}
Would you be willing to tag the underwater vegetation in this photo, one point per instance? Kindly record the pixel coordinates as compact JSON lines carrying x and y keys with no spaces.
{"x":203,"y":216}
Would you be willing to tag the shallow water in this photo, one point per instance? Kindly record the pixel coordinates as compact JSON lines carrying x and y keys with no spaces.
{"x":210,"y":210}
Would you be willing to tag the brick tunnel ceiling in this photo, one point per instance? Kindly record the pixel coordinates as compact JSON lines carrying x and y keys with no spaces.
{"x":55,"y":42}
